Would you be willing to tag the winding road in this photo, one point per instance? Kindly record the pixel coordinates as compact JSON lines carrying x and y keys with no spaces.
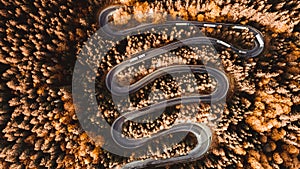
{"x":202,"y":132}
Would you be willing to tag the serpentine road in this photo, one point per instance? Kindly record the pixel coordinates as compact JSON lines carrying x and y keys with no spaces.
{"x":202,"y":133}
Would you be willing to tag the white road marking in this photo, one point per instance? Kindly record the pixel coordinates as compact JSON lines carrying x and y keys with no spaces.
{"x":209,"y":25}
{"x":260,"y":40}
{"x":240,"y":51}
{"x":143,"y":55}
{"x":240,"y":27}
{"x":224,"y":43}
{"x":182,"y":24}
{"x":133,"y":59}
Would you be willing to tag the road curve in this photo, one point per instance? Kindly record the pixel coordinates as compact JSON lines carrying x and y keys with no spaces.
{"x":255,"y":51}
{"x":200,"y":131}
